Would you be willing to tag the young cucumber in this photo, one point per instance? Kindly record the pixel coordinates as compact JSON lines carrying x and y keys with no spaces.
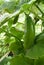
{"x":29,"y":34}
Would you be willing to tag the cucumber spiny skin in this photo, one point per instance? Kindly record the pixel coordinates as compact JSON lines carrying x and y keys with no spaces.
{"x":29,"y":34}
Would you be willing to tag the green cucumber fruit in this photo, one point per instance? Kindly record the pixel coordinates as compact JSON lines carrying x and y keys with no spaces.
{"x":29,"y":34}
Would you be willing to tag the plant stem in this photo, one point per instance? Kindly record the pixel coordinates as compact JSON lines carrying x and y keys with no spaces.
{"x":35,"y":61}
{"x":10,"y":34}
{"x":1,"y":45}
{"x":13,"y":36}
{"x":39,"y":8}
{"x":9,"y":17}
{"x":4,"y":56}
{"x":37,"y":15}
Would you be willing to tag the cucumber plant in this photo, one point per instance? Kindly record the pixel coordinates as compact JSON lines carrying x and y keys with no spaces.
{"x":19,"y":42}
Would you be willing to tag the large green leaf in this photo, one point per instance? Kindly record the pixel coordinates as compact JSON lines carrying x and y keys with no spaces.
{"x":21,"y":60}
{"x":38,"y":49}
{"x":40,"y":61}
{"x":40,"y":38}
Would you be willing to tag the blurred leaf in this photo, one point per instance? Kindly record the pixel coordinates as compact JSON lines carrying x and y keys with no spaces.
{"x":43,"y":24}
{"x":16,"y":47}
{"x":41,"y":6}
{"x":40,"y":61}
{"x":6,"y":17}
{"x":16,"y":19}
{"x":35,"y":10}
{"x":1,"y":1}
{"x":16,"y":32}
{"x":10,"y":22}
{"x":3,"y":29}
{"x":7,"y":40}
{"x":40,"y":38}
{"x":38,"y":49}
{"x":26,"y":7}
{"x":40,"y":1}
{"x":21,"y":60}
{"x":8,"y":6}
{"x":4,"y":61}
{"x":14,"y":5}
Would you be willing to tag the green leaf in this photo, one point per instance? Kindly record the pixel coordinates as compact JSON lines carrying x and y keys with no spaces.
{"x":16,"y":32}
{"x":4,"y":61}
{"x":16,"y":47}
{"x":26,"y":7}
{"x":6,"y":17}
{"x":11,"y":8}
{"x":1,"y":1}
{"x":43,"y":24}
{"x":3,"y":29}
{"x":40,"y":61}
{"x":40,"y":38}
{"x":35,"y":10}
{"x":13,"y":5}
{"x":38,"y":49}
{"x":40,"y":1}
{"x":16,"y":19}
{"x":21,"y":60}
{"x":41,"y":6}
{"x":10,"y":22}
{"x":9,"y":39}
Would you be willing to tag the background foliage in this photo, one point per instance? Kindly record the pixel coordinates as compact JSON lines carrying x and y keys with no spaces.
{"x":21,"y":32}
